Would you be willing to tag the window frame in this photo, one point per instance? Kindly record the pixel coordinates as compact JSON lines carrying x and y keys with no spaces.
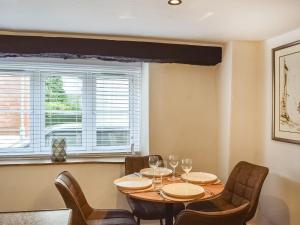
{"x":37,"y":150}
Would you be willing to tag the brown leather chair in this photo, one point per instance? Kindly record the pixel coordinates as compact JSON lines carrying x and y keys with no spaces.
{"x":234,"y":216}
{"x":82,"y":212}
{"x":142,"y":209}
{"x":243,"y":185}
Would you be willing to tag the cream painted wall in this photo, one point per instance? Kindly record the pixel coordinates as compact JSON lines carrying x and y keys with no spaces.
{"x":32,"y":187}
{"x":182,"y":120}
{"x":280,"y":202}
{"x":183,"y":113}
{"x":238,"y":104}
{"x":223,"y":81}
{"x":250,"y":129}
{"x":244,"y":101}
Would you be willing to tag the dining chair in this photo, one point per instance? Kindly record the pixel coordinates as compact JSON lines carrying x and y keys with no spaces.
{"x":144,"y":210}
{"x":82,"y":212}
{"x":235,"y":216}
{"x":243,"y":185}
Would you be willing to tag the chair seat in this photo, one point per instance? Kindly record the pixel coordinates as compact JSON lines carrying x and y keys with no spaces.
{"x":235,"y":216}
{"x":112,"y":221}
{"x":152,"y":210}
{"x":110,"y":217}
{"x":214,"y":205}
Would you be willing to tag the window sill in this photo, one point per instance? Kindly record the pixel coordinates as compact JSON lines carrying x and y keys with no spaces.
{"x":5,"y":161}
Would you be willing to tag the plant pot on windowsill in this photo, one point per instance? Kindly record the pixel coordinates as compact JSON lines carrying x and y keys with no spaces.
{"x":59,"y":146}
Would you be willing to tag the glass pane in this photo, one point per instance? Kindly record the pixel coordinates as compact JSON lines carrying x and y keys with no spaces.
{"x":63,"y":109}
{"x":112,"y":107}
{"x":14,"y":115}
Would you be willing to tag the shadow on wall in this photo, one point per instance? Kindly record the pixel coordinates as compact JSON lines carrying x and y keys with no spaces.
{"x":273,"y":210}
{"x":121,"y":198}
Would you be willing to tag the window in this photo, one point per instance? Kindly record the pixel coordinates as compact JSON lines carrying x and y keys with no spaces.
{"x":96,"y":108}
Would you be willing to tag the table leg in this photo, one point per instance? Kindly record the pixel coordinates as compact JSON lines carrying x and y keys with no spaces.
{"x":169,"y":214}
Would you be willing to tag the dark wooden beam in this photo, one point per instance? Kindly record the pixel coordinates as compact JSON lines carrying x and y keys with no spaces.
{"x":124,"y":51}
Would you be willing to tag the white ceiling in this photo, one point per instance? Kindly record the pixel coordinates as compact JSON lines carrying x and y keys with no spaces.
{"x":209,"y":20}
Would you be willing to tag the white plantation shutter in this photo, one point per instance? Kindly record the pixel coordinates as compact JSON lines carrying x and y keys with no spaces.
{"x":14,"y":111}
{"x":95,"y":108}
{"x":117,"y":107}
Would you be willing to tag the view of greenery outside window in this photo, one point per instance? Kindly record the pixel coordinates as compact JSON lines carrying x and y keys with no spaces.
{"x":95,"y":108}
{"x":63,"y":109}
{"x":57,"y":99}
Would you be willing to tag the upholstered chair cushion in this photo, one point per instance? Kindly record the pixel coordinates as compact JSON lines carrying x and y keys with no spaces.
{"x":235,"y":216}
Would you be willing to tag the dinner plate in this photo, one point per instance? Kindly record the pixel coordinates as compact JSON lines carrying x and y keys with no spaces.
{"x":199,"y":177}
{"x":160,"y":171}
{"x":183,"y":190}
{"x":133,"y":183}
{"x":168,"y":197}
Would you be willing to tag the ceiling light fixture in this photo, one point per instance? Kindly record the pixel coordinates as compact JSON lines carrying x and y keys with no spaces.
{"x":174,"y":2}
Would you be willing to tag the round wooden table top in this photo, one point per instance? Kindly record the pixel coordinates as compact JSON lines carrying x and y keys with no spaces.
{"x":153,"y":195}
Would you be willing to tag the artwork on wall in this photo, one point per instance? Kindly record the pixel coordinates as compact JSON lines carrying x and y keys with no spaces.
{"x":286,"y":93}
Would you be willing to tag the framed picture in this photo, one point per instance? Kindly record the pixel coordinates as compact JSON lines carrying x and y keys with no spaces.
{"x":286,"y":93}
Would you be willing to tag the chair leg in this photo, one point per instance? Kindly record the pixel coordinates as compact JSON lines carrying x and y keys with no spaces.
{"x":138,"y":221}
{"x":161,"y":222}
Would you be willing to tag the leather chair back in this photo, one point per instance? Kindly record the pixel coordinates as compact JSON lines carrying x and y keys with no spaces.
{"x":234,"y":216}
{"x":134,"y":164}
{"x":244,"y":185}
{"x":73,"y":197}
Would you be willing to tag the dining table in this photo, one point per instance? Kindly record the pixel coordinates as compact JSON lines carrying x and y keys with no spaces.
{"x":40,"y":217}
{"x":154,"y":194}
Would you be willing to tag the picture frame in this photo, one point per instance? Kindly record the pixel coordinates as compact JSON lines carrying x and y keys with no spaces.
{"x":286,"y":93}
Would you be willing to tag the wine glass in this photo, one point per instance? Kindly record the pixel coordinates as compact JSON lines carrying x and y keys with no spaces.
{"x":173,"y":162}
{"x":153,"y":163}
{"x":161,"y":165}
{"x":186,"y":165}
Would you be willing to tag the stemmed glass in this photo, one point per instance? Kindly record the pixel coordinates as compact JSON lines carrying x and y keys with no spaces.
{"x":160,"y":172}
{"x":153,"y":163}
{"x":173,"y":162}
{"x":186,"y":165}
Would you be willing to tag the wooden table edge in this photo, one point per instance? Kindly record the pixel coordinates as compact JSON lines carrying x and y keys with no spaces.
{"x":162,"y":200}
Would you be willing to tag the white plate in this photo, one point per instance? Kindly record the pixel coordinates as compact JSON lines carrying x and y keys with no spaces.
{"x":133,"y":183}
{"x":183,"y":190}
{"x":199,"y":177}
{"x":160,"y":171}
{"x":168,"y":197}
